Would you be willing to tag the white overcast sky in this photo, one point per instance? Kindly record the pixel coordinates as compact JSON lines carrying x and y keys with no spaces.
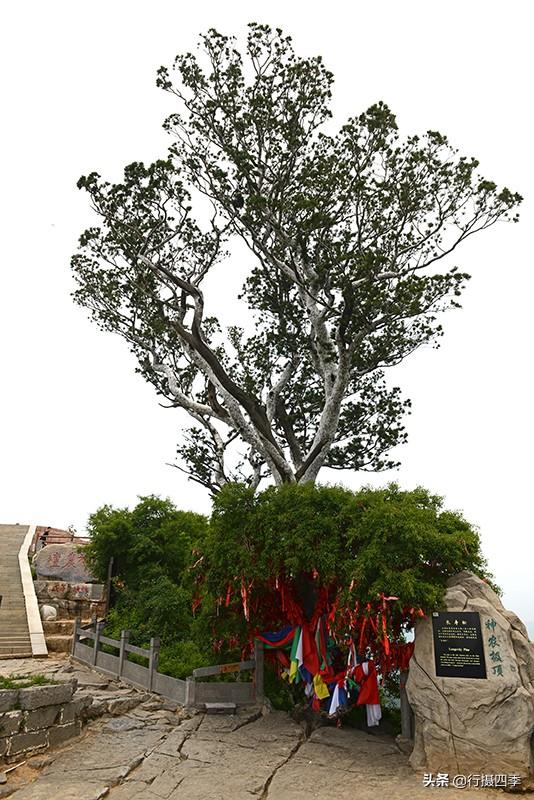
{"x":78,"y":428}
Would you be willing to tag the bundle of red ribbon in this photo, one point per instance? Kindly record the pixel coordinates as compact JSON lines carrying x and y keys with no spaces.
{"x":377,"y":628}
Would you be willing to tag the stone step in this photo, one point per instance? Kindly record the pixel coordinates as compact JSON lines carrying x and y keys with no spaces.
{"x":14,"y":642}
{"x":59,"y":644}
{"x":12,"y":630}
{"x":10,"y":614}
{"x":21,"y":630}
{"x":12,"y":611}
{"x":5,"y":632}
{"x":13,"y":626}
{"x":59,"y":626}
{"x":220,"y":708}
{"x":20,"y":645}
{"x":27,"y":653}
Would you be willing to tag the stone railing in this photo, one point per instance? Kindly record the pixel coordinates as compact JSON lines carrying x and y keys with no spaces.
{"x":200,"y":692}
{"x":87,"y":648}
{"x":37,"y":717}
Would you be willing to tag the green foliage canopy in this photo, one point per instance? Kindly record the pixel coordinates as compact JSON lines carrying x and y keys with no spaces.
{"x":155,"y":538}
{"x":349,"y":234}
{"x":356,"y":544}
{"x":361,"y":544}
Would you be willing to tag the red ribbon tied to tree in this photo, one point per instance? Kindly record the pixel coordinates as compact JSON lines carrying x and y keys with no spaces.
{"x":385,"y":637}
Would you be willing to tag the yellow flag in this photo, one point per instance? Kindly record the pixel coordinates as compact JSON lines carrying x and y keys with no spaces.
{"x":321,"y":689}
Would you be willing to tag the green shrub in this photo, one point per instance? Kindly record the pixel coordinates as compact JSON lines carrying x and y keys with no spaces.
{"x":158,"y":607}
{"x":181,"y":658}
{"x":153,"y":537}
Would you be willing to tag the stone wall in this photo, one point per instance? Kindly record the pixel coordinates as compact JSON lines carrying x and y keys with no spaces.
{"x":38,"y":717}
{"x":64,"y":581}
{"x":71,"y":600}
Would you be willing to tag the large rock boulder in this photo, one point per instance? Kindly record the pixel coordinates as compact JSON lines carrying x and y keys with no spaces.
{"x":479,"y":725}
{"x":62,"y":562}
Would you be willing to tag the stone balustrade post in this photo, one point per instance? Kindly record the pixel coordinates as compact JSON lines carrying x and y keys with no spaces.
{"x":190,"y":691}
{"x":98,"y":631}
{"x":123,"y":654}
{"x":153,"y":660}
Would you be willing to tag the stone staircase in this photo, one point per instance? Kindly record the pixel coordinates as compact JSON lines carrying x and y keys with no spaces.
{"x":60,"y":633}
{"x":14,"y":632}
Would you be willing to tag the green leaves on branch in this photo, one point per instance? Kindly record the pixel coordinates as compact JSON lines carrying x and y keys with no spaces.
{"x":358,"y":544}
{"x":154,"y":537}
{"x":349,"y":235}
{"x":397,"y":542}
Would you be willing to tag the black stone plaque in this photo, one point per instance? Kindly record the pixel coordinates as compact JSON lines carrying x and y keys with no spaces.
{"x":458,"y":644}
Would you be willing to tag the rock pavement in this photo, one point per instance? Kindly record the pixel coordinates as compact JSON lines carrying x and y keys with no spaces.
{"x":145,"y":748}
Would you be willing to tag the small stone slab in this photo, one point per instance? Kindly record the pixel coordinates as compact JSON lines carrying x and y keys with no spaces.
{"x":39,"y":696}
{"x":123,"y":724}
{"x":8,"y":698}
{"x":121,"y":705}
{"x":62,"y":733}
{"x":220,"y":708}
{"x":43,"y":717}
{"x":90,"y":680}
{"x":10,"y":723}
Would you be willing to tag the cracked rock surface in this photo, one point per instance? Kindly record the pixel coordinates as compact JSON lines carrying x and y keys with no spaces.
{"x":155,"y":751}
